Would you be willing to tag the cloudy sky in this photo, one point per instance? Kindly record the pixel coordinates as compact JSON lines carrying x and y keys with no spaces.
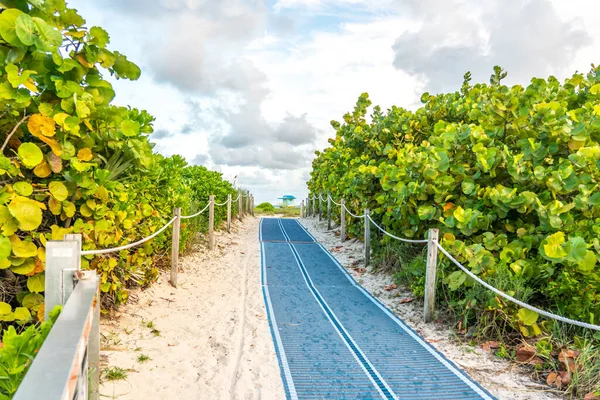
{"x":248,"y":87}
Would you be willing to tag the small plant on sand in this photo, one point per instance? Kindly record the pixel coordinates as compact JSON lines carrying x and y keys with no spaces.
{"x":115,"y":374}
{"x":142,"y":358}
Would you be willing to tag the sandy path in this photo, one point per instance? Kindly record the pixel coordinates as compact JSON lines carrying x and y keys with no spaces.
{"x":506,"y":381}
{"x":207,"y":339}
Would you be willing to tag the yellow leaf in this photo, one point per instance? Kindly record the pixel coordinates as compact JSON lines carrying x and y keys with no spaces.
{"x":85,"y":154}
{"x":87,"y":123}
{"x":40,"y":313}
{"x":60,"y":118}
{"x":27,"y":212}
{"x":54,"y":145}
{"x":82,"y":60}
{"x":40,"y":125}
{"x":85,"y":210}
{"x":42,"y":170}
{"x":21,"y":248}
{"x":41,"y":254}
{"x":76,"y":34}
{"x":55,"y":206}
{"x":30,"y":84}
{"x":595,"y":89}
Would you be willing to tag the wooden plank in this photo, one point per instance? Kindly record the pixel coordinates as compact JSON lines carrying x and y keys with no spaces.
{"x":343,"y":222}
{"x":229,"y":213}
{"x":175,"y":245}
{"x":328,"y":213}
{"x":367,"y":238}
{"x":430,"y":276}
{"x":211,"y":222}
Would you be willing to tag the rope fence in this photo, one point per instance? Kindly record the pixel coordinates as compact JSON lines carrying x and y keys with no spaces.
{"x":431,"y":271}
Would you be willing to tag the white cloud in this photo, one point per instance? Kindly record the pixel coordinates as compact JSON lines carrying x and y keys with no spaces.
{"x":232,"y":82}
{"x":527,"y":38}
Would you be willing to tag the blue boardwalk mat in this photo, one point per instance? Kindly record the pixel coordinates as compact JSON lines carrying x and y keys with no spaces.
{"x":334,"y":340}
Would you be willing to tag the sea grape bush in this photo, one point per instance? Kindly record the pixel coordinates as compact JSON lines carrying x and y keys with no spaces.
{"x":71,"y":162}
{"x":510,"y":175}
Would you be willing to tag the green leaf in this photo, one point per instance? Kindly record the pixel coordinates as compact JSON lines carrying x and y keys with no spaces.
{"x":527,"y":317}
{"x":125,"y":68}
{"x":595,"y":89}
{"x":47,"y":38}
{"x":455,"y":280}
{"x":5,"y":247}
{"x":426,"y":212}
{"x":105,"y":287}
{"x":36,"y":283}
{"x":594,"y":199}
{"x":587,"y":264}
{"x":30,"y":154}
{"x":58,"y":190}
{"x":25,"y":29}
{"x":32,"y":301}
{"x":8,"y":22}
{"x":27,"y":212}
{"x":576,"y":248}
{"x":99,"y":36}
{"x":130,"y":128}
{"x":23,"y":188}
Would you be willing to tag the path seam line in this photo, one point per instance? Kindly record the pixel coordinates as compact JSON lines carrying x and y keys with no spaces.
{"x":376,"y":378}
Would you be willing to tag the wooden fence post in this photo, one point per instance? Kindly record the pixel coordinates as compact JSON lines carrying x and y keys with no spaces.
{"x":320,"y":208}
{"x":328,"y":213}
{"x":430,"y":276}
{"x":343,"y":222}
{"x":211,"y":222}
{"x":307,"y":207}
{"x":302,"y":209}
{"x":229,"y":213}
{"x":175,"y":245}
{"x":240,"y":209}
{"x":252,"y":206}
{"x":367,"y":238}
{"x":314,"y":206}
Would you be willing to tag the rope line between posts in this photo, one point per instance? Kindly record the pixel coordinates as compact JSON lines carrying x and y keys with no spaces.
{"x":509,"y":298}
{"x":350,"y":212}
{"x":130,"y":245}
{"x":236,"y":199}
{"x":221,"y":204}
{"x":198,"y":213}
{"x":337,"y":204}
{"x":394,"y":236}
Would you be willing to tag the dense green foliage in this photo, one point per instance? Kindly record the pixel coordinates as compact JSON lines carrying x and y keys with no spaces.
{"x":508,"y":174}
{"x":18,"y":350}
{"x":71,"y":162}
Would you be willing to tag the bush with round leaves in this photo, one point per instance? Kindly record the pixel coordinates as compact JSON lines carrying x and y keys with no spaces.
{"x":510,"y":175}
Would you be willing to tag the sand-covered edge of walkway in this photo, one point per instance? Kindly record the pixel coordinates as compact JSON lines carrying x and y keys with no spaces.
{"x":207,"y":339}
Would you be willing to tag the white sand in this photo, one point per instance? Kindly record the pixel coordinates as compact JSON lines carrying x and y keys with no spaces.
{"x":503,"y":379}
{"x":214,"y":340}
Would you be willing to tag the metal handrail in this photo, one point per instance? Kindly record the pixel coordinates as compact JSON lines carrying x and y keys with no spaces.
{"x":71,"y":352}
